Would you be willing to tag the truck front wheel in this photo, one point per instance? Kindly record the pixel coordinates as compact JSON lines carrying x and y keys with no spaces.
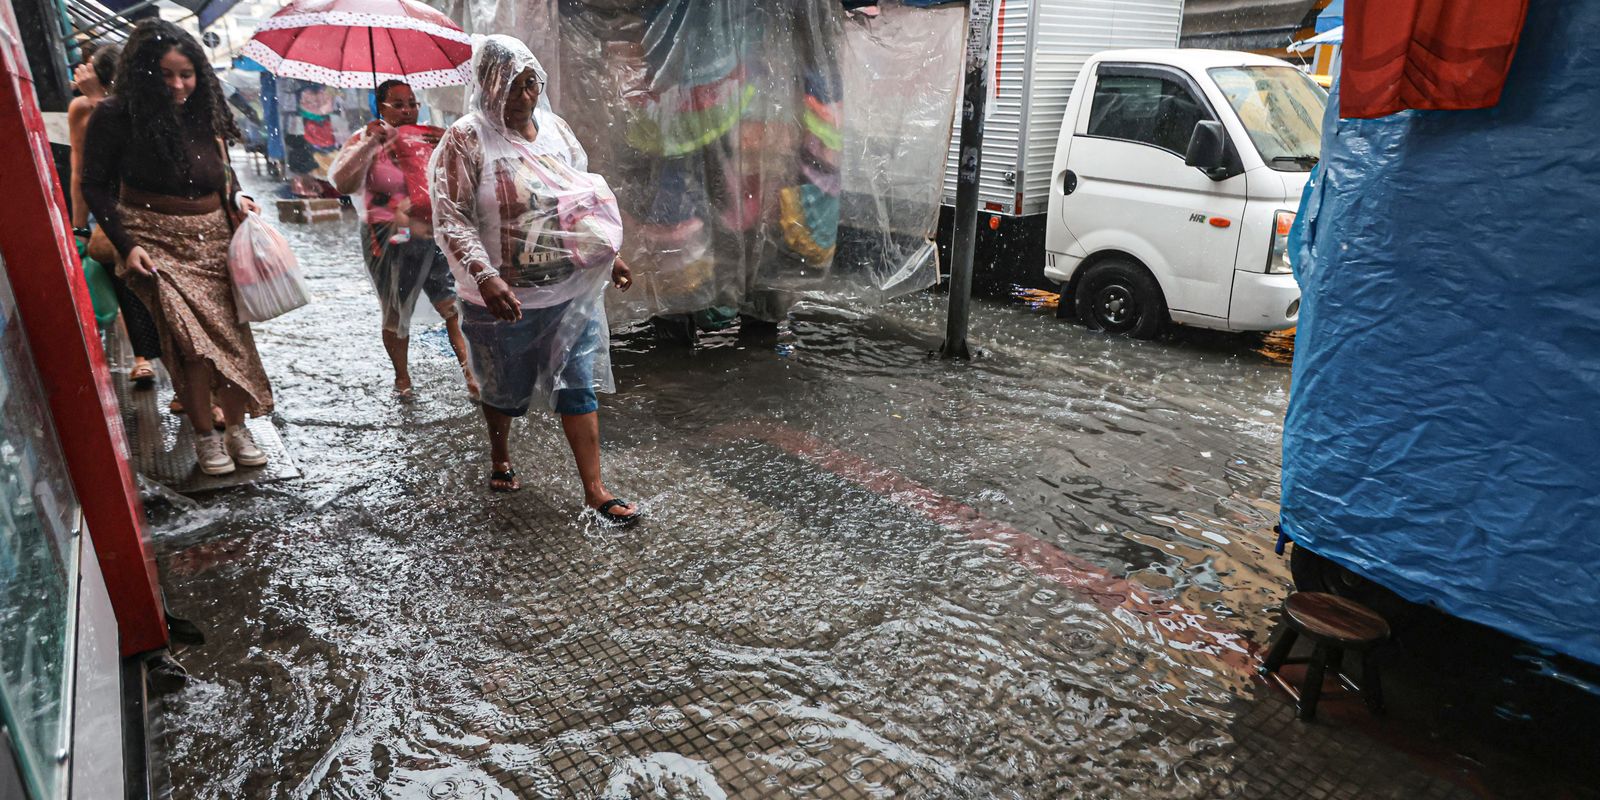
{"x":1118,"y":296}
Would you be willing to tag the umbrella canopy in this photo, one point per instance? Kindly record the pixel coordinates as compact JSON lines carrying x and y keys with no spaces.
{"x":1331,"y":17}
{"x":359,"y":44}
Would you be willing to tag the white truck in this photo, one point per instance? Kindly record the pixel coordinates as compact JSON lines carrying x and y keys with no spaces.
{"x":1153,"y":184}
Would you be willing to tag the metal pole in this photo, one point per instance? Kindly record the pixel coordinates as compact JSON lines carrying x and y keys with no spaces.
{"x":974,"y":99}
{"x":271,"y":117}
{"x":372,"y":50}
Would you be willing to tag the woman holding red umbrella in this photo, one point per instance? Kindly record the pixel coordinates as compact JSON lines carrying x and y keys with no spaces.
{"x":384,"y":166}
{"x":390,"y":46}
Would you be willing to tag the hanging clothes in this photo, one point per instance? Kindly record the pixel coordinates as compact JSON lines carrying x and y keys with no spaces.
{"x":809,"y":211}
{"x":682,"y":117}
{"x":1428,"y":54}
{"x":676,"y":123}
{"x":738,"y":162}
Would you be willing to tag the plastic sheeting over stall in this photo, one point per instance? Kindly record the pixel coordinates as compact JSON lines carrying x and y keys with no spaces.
{"x":1441,"y":433}
{"x":314,"y":120}
{"x":764,"y":151}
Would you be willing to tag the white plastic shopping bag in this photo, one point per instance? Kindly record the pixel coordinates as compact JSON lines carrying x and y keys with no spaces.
{"x":266,"y":277}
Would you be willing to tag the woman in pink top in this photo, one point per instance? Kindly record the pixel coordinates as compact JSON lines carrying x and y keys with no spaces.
{"x":397,"y":226}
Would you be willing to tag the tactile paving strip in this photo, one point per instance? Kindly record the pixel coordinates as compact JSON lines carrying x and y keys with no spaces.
{"x":161,"y":444}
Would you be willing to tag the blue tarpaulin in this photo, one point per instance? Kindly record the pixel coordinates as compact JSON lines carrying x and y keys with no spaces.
{"x":1443,"y":432}
{"x":269,"y":116}
{"x":1330,"y":17}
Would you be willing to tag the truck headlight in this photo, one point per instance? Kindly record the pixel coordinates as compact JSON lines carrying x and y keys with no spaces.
{"x":1278,"y":258}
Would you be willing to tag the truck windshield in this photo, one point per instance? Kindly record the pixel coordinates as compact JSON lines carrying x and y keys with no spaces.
{"x":1282,"y":110}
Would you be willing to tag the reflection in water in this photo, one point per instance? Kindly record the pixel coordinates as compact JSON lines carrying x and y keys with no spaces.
{"x":1276,"y":346}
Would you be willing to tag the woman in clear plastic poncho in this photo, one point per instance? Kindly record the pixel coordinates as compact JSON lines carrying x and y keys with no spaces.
{"x":385,"y":165}
{"x":532,"y":239}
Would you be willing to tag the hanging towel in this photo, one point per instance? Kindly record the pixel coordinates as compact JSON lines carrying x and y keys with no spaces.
{"x":810,"y":221}
{"x":1429,"y":54}
{"x":828,"y":134}
{"x":680,"y":192}
{"x":675,"y":134}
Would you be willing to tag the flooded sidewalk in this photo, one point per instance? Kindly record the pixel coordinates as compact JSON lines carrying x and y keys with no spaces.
{"x":864,"y":574}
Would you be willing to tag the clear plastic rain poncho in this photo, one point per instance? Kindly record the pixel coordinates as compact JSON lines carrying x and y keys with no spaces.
{"x":530,"y":211}
{"x":388,"y":181}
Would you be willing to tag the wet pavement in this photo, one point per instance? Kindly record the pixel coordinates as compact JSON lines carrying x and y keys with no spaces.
{"x":865,"y":574}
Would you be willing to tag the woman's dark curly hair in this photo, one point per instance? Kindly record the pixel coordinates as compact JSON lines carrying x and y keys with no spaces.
{"x":149,"y":102}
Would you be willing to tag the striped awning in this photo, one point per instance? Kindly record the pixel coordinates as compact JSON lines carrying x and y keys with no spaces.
{"x":110,"y":20}
{"x":93,"y":20}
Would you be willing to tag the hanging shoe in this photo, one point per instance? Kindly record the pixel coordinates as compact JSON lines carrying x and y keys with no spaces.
{"x":212,"y":454}
{"x":242,"y":446}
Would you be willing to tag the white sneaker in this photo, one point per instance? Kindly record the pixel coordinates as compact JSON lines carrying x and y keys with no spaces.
{"x":212,"y":454}
{"x":243,"y":447}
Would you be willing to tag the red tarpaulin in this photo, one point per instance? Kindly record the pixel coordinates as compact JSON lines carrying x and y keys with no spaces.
{"x":1433,"y":54}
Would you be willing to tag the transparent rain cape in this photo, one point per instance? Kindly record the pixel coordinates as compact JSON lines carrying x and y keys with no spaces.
{"x":532,"y":211}
{"x":388,"y":182}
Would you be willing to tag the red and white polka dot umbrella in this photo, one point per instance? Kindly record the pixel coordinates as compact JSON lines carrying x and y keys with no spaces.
{"x":359,"y":44}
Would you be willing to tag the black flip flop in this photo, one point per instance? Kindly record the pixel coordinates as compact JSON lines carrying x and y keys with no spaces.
{"x":617,"y":520}
{"x":505,"y":476}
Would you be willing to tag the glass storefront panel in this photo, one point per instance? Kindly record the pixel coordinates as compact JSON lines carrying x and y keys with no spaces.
{"x":39,"y":525}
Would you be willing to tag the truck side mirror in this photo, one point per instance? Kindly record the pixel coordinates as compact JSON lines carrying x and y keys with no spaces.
{"x":1208,"y":148}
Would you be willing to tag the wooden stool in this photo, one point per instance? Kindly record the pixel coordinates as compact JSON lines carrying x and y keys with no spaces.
{"x":1336,"y":625}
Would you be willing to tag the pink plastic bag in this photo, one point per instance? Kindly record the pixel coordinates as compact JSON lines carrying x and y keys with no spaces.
{"x":266,"y":276}
{"x":413,"y":147}
{"x":587,"y":215}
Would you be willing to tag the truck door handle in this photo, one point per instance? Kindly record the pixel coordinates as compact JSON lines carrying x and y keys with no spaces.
{"x":1069,"y":182}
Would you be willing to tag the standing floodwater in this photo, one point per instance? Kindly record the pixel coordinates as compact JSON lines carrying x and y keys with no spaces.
{"x":865,"y":574}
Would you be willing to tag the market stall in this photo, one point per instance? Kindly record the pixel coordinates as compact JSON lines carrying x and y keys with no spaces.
{"x":763,"y":151}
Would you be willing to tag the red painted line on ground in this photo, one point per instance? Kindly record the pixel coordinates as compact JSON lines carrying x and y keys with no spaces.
{"x":1165,"y":621}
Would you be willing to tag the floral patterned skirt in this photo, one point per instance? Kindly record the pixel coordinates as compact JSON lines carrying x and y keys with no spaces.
{"x":191,"y":298}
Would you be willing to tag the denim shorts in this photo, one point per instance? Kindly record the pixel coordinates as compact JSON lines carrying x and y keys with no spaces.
{"x":509,"y":357}
{"x":398,"y":269}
